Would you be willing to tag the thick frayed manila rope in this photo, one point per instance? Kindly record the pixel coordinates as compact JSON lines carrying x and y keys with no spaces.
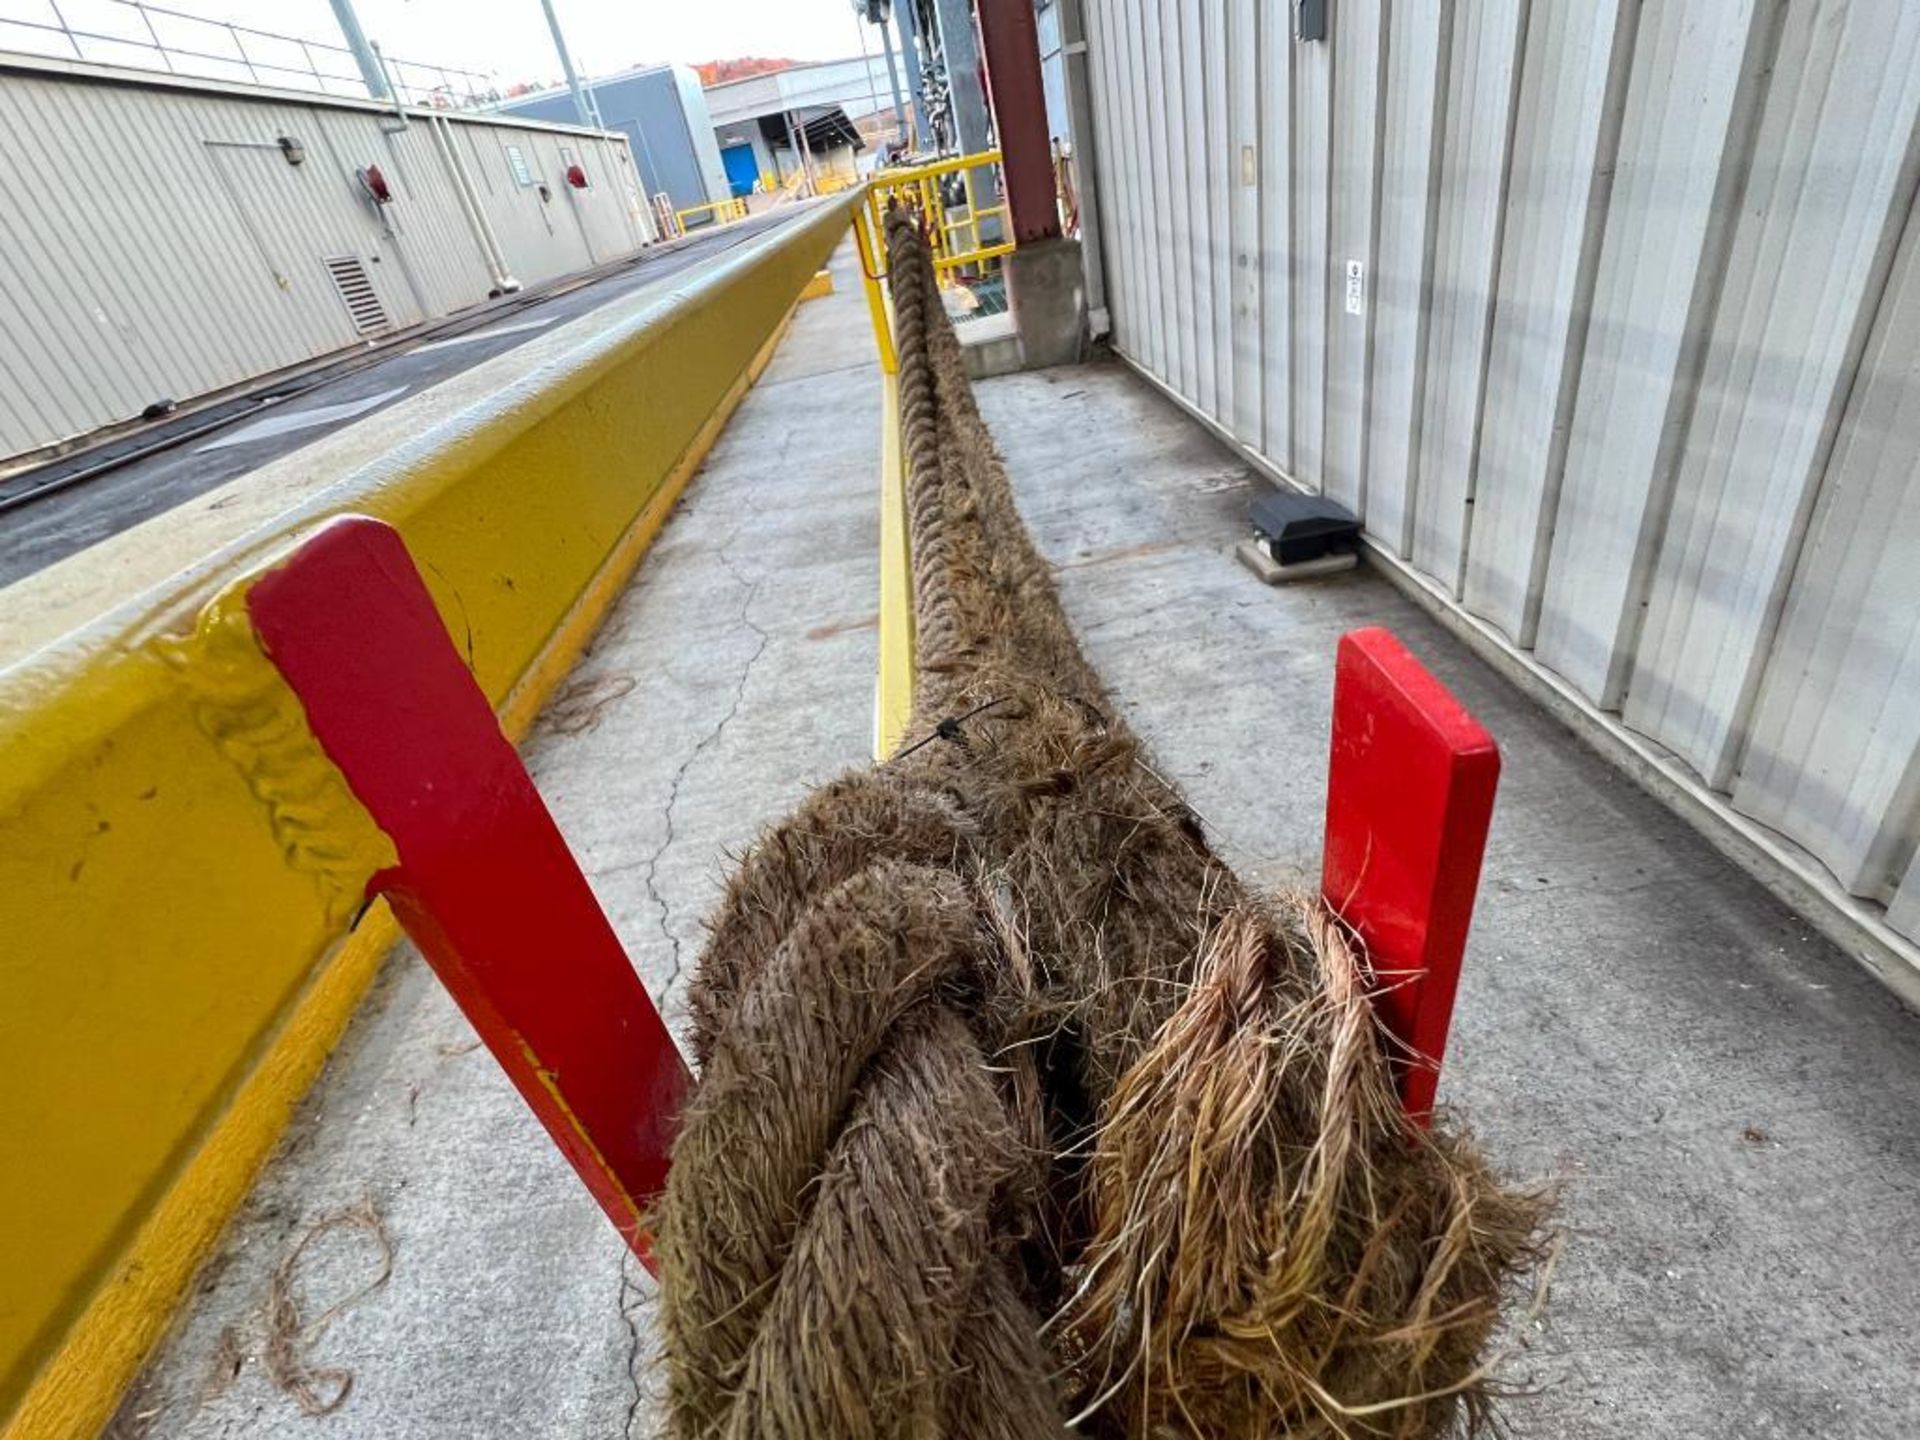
{"x":1019,"y":1115}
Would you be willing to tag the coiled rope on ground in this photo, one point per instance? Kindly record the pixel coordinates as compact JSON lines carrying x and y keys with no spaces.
{"x":1019,"y":1115}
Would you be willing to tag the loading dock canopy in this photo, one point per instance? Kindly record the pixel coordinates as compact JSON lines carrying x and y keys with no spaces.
{"x":826,"y":128}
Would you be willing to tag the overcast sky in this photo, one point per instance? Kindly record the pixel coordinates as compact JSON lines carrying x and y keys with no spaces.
{"x":509,"y":37}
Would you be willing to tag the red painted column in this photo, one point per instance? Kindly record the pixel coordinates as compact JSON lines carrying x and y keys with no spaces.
{"x":1011,"y":43}
{"x":1410,"y":786}
{"x":485,"y":885}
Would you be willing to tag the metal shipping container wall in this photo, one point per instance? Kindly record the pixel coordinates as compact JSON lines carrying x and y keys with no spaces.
{"x":159,"y":242}
{"x":1606,"y":319}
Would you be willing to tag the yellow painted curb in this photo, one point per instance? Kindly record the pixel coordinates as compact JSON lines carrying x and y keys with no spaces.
{"x":893,"y":697}
{"x":169,"y":886}
{"x":820,"y":284}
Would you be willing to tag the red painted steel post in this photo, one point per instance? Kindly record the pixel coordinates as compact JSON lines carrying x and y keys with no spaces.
{"x":485,"y":883}
{"x":1410,"y":787}
{"x":1011,"y":42}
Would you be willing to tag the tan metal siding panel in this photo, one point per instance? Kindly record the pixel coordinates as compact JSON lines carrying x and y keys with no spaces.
{"x":1130,"y":100}
{"x":1163,"y":323}
{"x":63,"y":195}
{"x":1174,"y":221}
{"x":431,"y":231}
{"x":1565,"y":134}
{"x":1832,"y":181}
{"x":1358,"y":55}
{"x":1312,"y":187}
{"x":1243,"y":167}
{"x":242,"y":283}
{"x":1108,"y":169}
{"x":1417,"y":44}
{"x":1834,"y":759}
{"x":1483,"y":69}
{"x":1195,"y":219}
{"x":150,"y":179}
{"x":56,"y":289}
{"x":35,"y":399}
{"x":1221,"y":169}
{"x":1696,"y":72}
{"x":1276,"y":234}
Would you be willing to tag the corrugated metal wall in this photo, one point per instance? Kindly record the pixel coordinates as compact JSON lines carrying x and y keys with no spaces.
{"x":156,"y":243}
{"x":1604,"y":316}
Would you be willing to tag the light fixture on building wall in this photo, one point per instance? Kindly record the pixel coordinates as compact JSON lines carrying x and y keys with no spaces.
{"x":295,"y":152}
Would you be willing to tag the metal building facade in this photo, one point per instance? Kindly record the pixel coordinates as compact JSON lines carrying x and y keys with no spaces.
{"x":159,"y":243}
{"x":663,"y":112}
{"x":1606,"y":318}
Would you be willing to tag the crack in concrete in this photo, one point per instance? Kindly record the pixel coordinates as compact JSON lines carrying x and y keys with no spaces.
{"x":632,"y":1300}
{"x":712,"y":737}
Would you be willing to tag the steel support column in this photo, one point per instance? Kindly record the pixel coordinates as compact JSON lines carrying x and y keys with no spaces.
{"x":909,"y":25}
{"x":583,"y":101}
{"x":965,"y":97}
{"x":371,"y":73}
{"x":1012,"y":43}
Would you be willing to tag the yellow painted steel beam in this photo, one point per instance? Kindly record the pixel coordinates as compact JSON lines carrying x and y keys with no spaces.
{"x":177,"y":868}
{"x":909,"y":174}
{"x":893,"y":689}
{"x":974,"y":257}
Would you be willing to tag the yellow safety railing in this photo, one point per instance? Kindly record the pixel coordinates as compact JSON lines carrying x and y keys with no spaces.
{"x":724,"y":212}
{"x":957,"y":232}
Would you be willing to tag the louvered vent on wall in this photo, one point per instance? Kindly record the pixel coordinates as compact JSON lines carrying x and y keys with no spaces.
{"x":350,"y":278}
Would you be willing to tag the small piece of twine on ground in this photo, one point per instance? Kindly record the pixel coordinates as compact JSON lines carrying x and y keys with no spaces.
{"x":291,"y":1336}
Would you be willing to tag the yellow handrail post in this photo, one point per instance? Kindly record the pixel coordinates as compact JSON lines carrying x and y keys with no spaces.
{"x":893,"y":680}
{"x":867,"y":238}
{"x":893,"y":684}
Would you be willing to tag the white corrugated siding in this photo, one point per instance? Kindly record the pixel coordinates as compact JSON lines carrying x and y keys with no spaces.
{"x":1634,"y":374}
{"x":157,"y":245}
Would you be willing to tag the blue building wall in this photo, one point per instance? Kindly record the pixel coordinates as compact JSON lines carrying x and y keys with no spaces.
{"x":676,"y":152}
